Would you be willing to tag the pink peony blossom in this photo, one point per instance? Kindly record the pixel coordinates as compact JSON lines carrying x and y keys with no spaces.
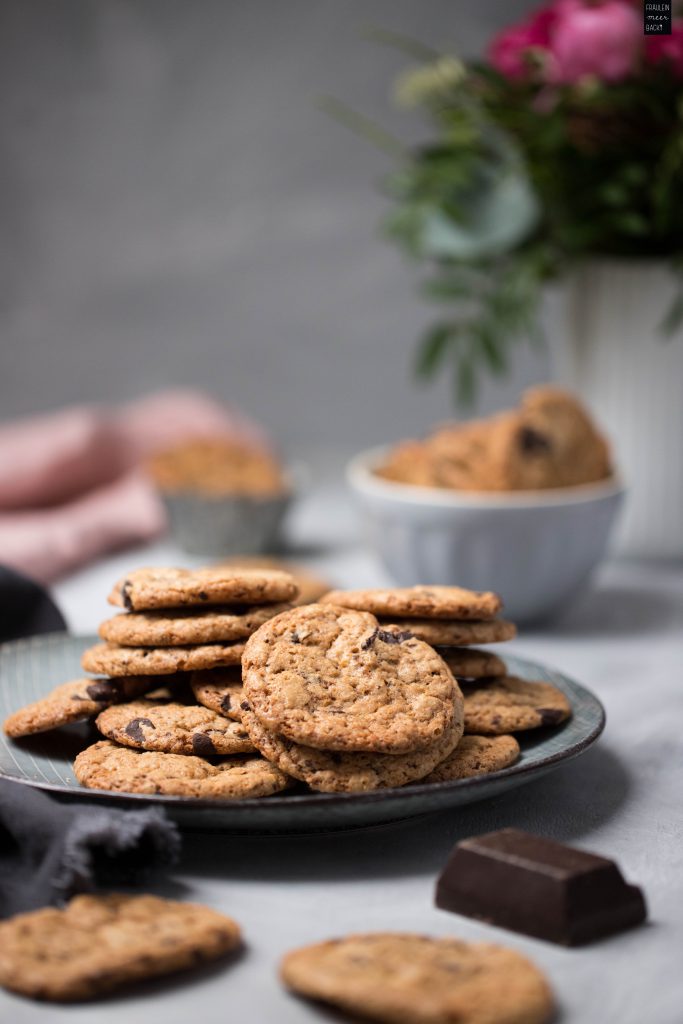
{"x":572,"y":39}
{"x":601,"y":39}
{"x":509,"y":51}
{"x":667,"y":49}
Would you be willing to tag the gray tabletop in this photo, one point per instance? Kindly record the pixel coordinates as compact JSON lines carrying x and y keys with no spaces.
{"x":621,"y":799}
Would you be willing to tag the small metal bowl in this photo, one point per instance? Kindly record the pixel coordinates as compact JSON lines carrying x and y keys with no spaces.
{"x":226,"y":524}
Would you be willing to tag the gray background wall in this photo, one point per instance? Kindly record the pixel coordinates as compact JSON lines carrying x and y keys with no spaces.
{"x":175,"y":209}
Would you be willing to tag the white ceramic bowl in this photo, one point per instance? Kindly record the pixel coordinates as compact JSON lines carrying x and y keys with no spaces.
{"x":537,"y":549}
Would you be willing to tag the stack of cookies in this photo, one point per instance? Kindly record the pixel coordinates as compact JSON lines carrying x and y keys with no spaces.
{"x":178,"y":620}
{"x":496,"y":704}
{"x":336,"y":701}
{"x":450,"y":619}
{"x":364,"y":690}
{"x":345,"y":701}
{"x":341,"y":701}
{"x":157,"y":739}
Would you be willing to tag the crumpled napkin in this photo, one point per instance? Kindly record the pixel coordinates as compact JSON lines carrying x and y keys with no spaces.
{"x":25,"y":608}
{"x":71,"y":487}
{"x":50,"y":851}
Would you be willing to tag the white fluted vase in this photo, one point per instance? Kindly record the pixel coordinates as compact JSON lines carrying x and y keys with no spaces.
{"x":615,"y":357}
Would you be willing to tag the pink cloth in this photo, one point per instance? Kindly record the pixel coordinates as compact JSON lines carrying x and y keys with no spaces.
{"x":47,"y":543}
{"x":70,"y":486}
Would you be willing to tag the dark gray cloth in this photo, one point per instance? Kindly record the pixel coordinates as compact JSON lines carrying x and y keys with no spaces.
{"x":26,"y":609}
{"x":49,"y":850}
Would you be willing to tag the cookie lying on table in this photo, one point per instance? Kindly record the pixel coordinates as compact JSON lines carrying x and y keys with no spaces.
{"x":403,"y":978}
{"x":100,"y":943}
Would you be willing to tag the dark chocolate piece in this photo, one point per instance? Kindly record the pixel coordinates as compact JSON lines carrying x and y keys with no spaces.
{"x":386,"y":637}
{"x":532,"y":442}
{"x":538,"y":887}
{"x":135,"y":732}
{"x":104,"y":691}
{"x":202,"y":745}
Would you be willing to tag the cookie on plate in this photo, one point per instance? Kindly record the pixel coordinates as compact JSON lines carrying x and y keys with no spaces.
{"x":476,"y":755}
{"x":419,"y":602}
{"x":159,"y":661}
{"x":184,"y":626}
{"x":330,"y":771}
{"x":508,"y":704}
{"x":99,"y":943}
{"x":145,"y":589}
{"x":403,"y":978}
{"x":449,"y":633}
{"x":328,"y":677}
{"x":105,"y":765}
{"x":73,"y":702}
{"x":311,"y":586}
{"x":173,"y":729}
{"x":220,"y":690}
{"x":470,"y":663}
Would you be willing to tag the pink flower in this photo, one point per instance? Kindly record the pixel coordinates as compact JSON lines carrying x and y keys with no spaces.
{"x":667,"y":49}
{"x":511,"y":49}
{"x":601,"y":39}
{"x":572,"y":39}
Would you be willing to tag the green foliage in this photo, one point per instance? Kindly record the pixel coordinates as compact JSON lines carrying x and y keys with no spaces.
{"x":519,"y":183}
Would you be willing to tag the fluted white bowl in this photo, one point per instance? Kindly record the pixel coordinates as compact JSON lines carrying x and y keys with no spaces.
{"x":535,"y":548}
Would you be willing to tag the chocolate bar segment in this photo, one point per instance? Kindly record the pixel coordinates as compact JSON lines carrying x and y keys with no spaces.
{"x":538,"y":887}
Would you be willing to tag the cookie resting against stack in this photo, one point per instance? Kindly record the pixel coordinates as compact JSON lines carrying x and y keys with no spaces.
{"x":364,"y":690}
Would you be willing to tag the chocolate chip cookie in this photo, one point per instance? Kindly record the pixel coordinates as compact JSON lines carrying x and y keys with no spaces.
{"x":220,"y":690}
{"x":444,"y":633}
{"x":311,"y":587}
{"x":329,"y":771}
{"x":419,"y":602}
{"x":508,"y":704}
{"x":173,"y":729}
{"x":414,"y":979}
{"x":73,"y":702}
{"x":99,"y":943}
{"x":158,"y":661}
{"x":549,"y":441}
{"x":187,"y":626}
{"x":105,"y":765}
{"x":331,"y":678}
{"x":469,"y":663}
{"x":476,"y":755}
{"x":145,"y":589}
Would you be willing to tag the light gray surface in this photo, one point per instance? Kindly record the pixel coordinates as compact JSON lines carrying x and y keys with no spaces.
{"x":622,"y":799}
{"x":175,"y":209}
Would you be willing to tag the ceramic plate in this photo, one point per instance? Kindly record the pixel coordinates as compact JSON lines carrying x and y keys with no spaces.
{"x":29,"y":668}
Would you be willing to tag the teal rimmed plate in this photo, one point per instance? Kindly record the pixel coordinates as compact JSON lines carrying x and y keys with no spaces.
{"x":30,"y":668}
